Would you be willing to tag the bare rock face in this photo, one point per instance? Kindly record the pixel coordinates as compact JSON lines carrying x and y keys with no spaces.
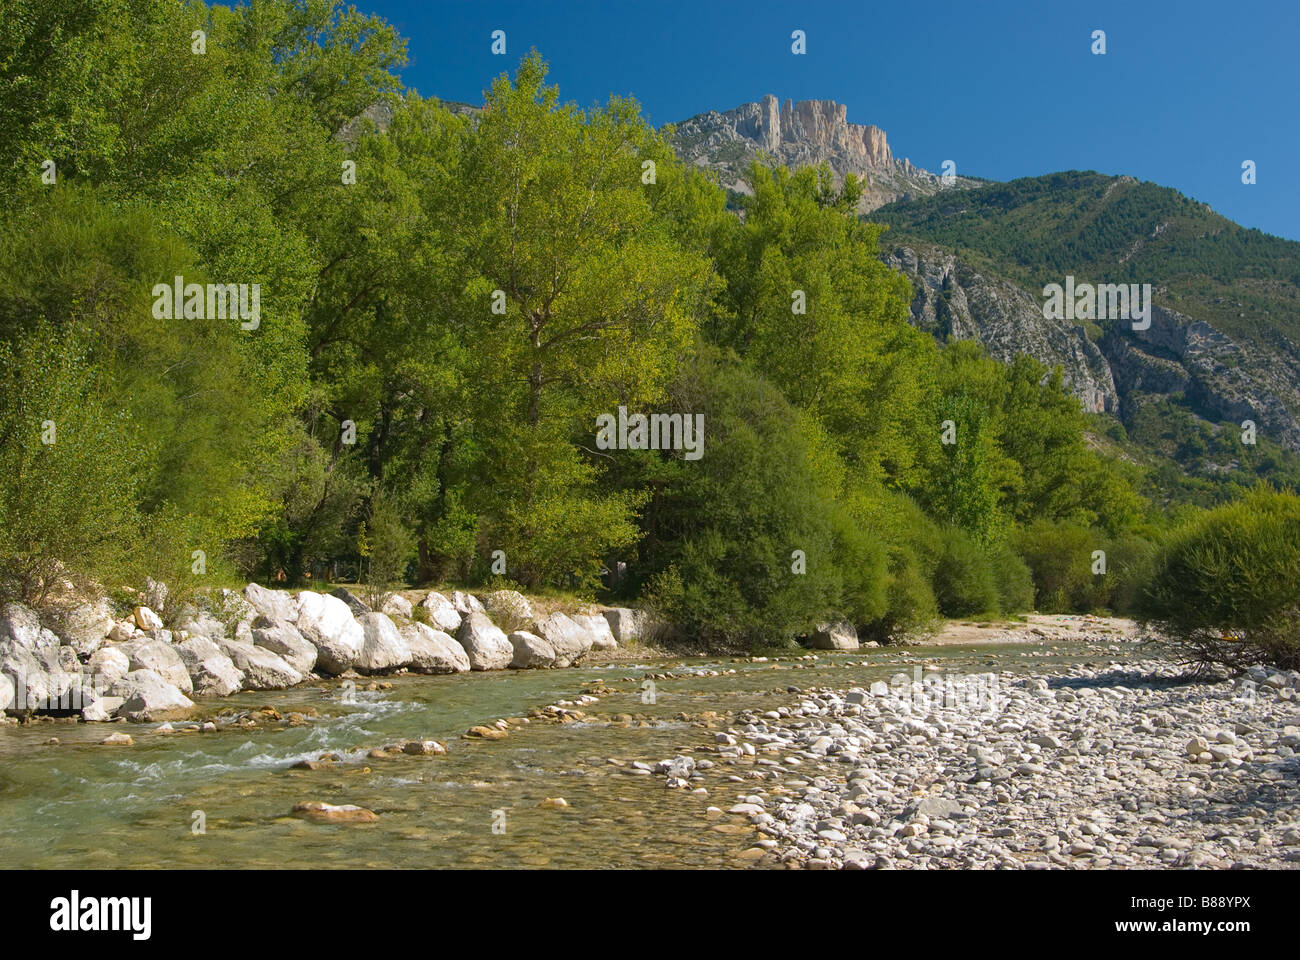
{"x":806,"y":133}
{"x":484,"y":643}
{"x":434,"y":651}
{"x":952,"y":299}
{"x":1175,"y":355}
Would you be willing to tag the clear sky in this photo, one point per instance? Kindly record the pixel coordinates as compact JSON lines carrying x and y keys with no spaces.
{"x":1004,"y":88}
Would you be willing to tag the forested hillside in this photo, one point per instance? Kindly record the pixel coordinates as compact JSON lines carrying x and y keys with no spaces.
{"x":449,"y":304}
{"x":1225,"y":343}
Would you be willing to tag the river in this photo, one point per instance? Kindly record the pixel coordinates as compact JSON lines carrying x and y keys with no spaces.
{"x":80,"y":804}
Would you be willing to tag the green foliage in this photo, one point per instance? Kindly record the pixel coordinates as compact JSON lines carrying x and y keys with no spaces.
{"x":964,"y":584}
{"x":1226,"y":583}
{"x":451,"y":324}
{"x":1012,"y":579}
{"x":850,"y":358}
{"x":386,"y":547}
{"x":1059,"y":555}
{"x":725,"y":529}
{"x":70,"y":468}
{"x":910,"y":604}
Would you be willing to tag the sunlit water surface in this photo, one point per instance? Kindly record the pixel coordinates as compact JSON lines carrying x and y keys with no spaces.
{"x":79,"y":804}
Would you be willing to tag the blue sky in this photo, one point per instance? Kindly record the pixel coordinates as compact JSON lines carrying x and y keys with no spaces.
{"x":1184,"y":94}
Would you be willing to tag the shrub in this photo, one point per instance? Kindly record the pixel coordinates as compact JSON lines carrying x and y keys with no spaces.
{"x":1226,"y":584}
{"x":1130,"y":567}
{"x":910,"y":606}
{"x":1011,"y":578}
{"x":963,"y":579}
{"x":70,"y":469}
{"x":723,"y":528}
{"x":386,"y":546}
{"x":1059,"y":556}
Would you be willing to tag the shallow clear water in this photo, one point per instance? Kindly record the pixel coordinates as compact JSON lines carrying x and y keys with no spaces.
{"x":84,"y":805}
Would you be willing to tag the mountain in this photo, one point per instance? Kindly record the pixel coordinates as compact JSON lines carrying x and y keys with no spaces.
{"x":806,"y":133}
{"x":1224,"y":338}
{"x":1223,"y":344}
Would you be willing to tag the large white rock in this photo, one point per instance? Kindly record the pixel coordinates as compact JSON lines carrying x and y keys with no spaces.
{"x":383,"y":647}
{"x":63,"y":676}
{"x":397,"y":606}
{"x":530,"y":651}
{"x":263,"y":670}
{"x":466,"y":603}
{"x":287,"y":641}
{"x":147,"y":697}
{"x":109,"y":663}
{"x":212,"y":672}
{"x":434,"y":651}
{"x":328,"y":625}
{"x":442,"y":614}
{"x":840,"y":635}
{"x":162,"y":659}
{"x":20,"y":624}
{"x":602,"y":638}
{"x":6,"y":692}
{"x":28,"y":675}
{"x":627,"y":624}
{"x":200,"y":623}
{"x":570,"y":640}
{"x":484,"y":643}
{"x":508,"y":609}
{"x":87,"y":625}
{"x":146,"y":619}
{"x":272,"y":604}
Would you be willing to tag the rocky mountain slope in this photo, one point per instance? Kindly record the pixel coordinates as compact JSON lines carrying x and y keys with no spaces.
{"x":1224,"y":338}
{"x":806,"y":133}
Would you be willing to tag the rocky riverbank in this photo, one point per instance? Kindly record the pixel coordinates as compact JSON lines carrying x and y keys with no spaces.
{"x":1094,"y":767}
{"x":89,"y":660}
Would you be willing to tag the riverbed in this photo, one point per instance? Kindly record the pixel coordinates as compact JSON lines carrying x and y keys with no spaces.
{"x":223,"y":798}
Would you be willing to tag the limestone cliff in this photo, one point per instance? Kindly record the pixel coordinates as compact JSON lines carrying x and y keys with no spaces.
{"x":806,"y":133}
